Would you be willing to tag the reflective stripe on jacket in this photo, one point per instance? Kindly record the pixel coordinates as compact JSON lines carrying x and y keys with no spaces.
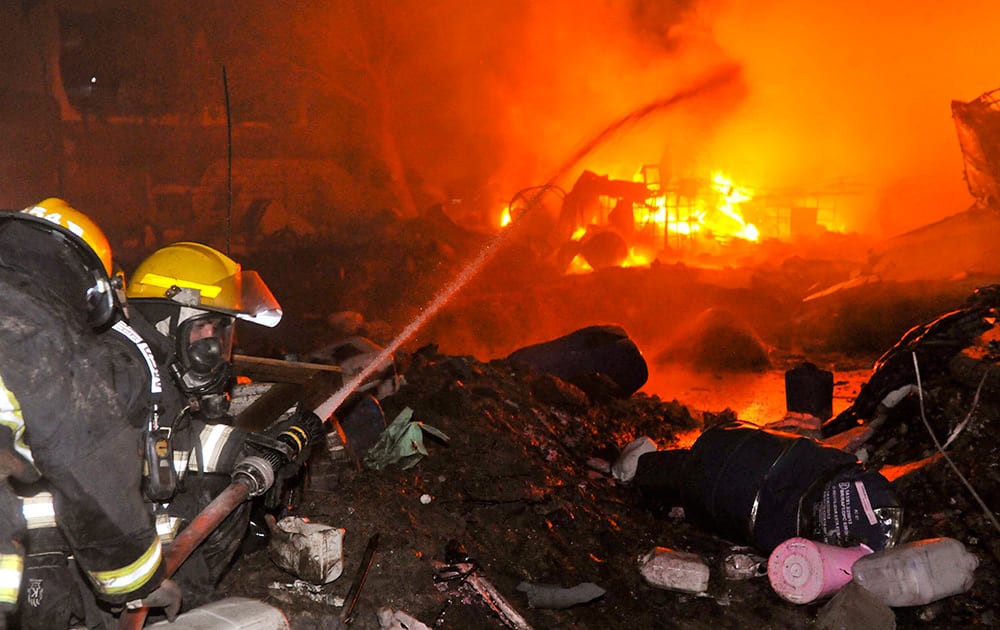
{"x":11,"y":568}
{"x":10,"y":417}
{"x":217,"y":443}
{"x":39,"y":511}
{"x":220,"y":445}
{"x":131,"y":577}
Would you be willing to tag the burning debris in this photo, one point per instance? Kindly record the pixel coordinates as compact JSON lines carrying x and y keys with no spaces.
{"x":603,"y":222}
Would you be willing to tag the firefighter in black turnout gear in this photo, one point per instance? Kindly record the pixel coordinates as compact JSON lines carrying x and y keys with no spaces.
{"x":73,"y":414}
{"x":185,"y":298}
{"x":171,"y":380}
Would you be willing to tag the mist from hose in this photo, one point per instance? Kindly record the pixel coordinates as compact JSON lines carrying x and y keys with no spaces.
{"x":724,"y":76}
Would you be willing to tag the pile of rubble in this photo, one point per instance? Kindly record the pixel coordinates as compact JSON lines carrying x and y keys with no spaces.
{"x":504,"y":508}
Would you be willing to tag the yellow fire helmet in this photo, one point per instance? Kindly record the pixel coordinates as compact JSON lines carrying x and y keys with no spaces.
{"x":76,"y":223}
{"x":199,"y":276}
{"x":105,"y":296}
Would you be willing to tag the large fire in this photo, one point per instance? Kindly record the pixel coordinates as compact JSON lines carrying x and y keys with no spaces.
{"x":678,"y":216}
{"x":683,"y":210}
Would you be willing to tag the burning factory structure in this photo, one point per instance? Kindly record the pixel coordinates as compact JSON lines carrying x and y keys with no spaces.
{"x":606,"y":222}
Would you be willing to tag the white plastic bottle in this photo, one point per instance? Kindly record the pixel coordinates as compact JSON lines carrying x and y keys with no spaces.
{"x":917,"y":573}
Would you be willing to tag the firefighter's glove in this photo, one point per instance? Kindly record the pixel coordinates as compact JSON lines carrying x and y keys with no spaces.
{"x":167,"y":597}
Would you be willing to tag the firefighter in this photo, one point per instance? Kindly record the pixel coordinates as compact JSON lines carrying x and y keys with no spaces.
{"x":185,"y":298}
{"x":74,"y":412}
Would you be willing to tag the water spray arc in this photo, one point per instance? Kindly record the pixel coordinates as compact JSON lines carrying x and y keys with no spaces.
{"x":719,"y":78}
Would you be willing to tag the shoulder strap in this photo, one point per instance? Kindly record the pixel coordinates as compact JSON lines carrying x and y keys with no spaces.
{"x":155,"y":382}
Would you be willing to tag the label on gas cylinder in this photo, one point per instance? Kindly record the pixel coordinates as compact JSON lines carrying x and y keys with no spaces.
{"x":848,"y":511}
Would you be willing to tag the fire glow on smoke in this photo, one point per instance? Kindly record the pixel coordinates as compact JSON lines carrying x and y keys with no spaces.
{"x":849,"y":101}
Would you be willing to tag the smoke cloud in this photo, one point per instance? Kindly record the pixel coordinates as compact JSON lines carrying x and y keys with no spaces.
{"x":860,"y":90}
{"x":855,"y":92}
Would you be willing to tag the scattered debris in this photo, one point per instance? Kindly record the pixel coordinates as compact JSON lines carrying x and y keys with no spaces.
{"x":763,"y":487}
{"x":361,"y":427}
{"x":935,"y":343}
{"x":401,"y":443}
{"x":802,"y":571}
{"x":674,"y":570}
{"x":623,"y":470}
{"x":466,"y":573}
{"x":354,"y":595}
{"x":591,"y":351}
{"x":232,"y":612}
{"x":557,"y":597}
{"x":743,"y":564}
{"x":310,"y":551}
{"x":460,"y":568}
{"x":855,"y":607}
{"x":306,"y":590}
{"x":977,"y":123}
{"x":809,"y":391}
{"x":389,"y":619}
{"x":803,"y":424}
{"x":544,"y":507}
{"x":918,"y":572}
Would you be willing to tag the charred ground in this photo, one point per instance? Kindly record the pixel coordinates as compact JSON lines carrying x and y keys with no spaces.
{"x":517,"y":484}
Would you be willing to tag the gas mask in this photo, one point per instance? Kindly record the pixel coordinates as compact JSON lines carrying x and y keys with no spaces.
{"x":203,"y":368}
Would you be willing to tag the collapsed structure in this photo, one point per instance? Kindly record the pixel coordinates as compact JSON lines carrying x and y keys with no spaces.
{"x":977,"y":123}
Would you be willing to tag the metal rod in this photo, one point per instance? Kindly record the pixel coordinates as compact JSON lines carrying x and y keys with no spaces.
{"x":497,"y":602}
{"x":354,"y":594}
{"x":229,"y":166}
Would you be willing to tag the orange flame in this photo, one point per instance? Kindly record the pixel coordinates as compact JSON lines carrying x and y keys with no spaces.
{"x":686,"y":209}
{"x":728,"y":207}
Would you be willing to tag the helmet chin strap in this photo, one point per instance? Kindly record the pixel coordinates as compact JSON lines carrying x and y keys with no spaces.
{"x":118,"y":289}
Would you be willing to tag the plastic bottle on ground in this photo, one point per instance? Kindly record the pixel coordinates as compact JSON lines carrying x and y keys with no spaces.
{"x":917,"y":573}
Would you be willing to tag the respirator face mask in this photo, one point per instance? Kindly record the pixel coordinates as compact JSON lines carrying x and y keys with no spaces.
{"x":204,"y":350}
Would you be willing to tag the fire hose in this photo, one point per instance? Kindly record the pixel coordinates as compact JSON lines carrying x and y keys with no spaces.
{"x":252,"y":476}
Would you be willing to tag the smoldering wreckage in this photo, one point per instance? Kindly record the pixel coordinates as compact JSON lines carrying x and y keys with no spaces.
{"x":543,"y":489}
